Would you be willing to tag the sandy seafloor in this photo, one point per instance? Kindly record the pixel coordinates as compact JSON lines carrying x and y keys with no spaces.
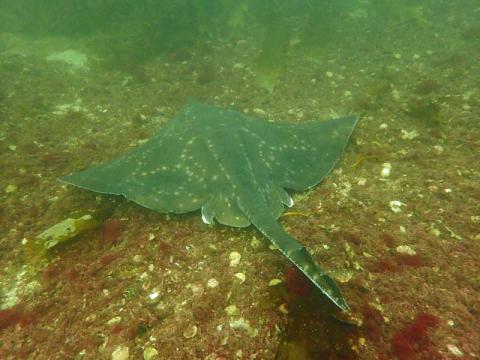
{"x":418,"y":98}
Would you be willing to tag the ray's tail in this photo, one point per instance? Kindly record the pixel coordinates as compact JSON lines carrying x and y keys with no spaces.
{"x":301,"y":258}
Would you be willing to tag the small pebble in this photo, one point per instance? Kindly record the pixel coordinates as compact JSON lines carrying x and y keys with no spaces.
{"x":240,"y":276}
{"x":10,"y":188}
{"x":154,"y":296}
{"x":258,"y":111}
{"x":144,"y":276}
{"x":232,"y":310}
{"x":255,"y":243}
{"x":343,"y":276}
{"x":283,"y":309}
{"x":396,"y":95}
{"x":396,"y":206}
{"x":150,"y":353}
{"x":212,"y":283}
{"x":242,"y":324}
{"x":405,"y":250}
{"x":197,"y":290}
{"x":438,"y":149}
{"x":190,"y":332}
{"x":121,"y":353}
{"x":361,"y":182}
{"x":90,"y":318}
{"x":234,"y":258}
{"x":115,"y":320}
{"x":386,"y":169}
{"x":163,"y":311}
{"x":274,"y":282}
{"x":409,"y":135}
{"x":238,"y":66}
{"x":454,"y":350}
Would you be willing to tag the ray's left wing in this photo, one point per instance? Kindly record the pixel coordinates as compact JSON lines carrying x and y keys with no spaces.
{"x":173,"y":172}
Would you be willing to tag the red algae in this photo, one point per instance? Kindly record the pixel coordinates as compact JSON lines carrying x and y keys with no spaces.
{"x":27,"y":318}
{"x":14,"y":316}
{"x":296,"y":282}
{"x":104,"y":261}
{"x":353,"y":238}
{"x":397,"y":263}
{"x":386,"y":265}
{"x":9,"y":317}
{"x":50,"y":272}
{"x":71,"y":275}
{"x":372,"y":322}
{"x":109,"y":258}
{"x":112,"y":230}
{"x":409,"y":260}
{"x":117,"y":329}
{"x":166,"y":249}
{"x":412,"y":342}
{"x":388,"y":239}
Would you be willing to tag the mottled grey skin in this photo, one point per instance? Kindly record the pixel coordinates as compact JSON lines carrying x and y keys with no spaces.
{"x":234,"y":168}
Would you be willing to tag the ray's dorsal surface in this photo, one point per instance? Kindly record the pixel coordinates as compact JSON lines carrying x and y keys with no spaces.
{"x":234,"y":168}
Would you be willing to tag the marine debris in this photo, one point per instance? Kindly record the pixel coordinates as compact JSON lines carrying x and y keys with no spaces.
{"x":57,"y":234}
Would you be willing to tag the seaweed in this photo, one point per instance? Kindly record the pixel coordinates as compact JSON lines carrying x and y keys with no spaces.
{"x":427,"y":86}
{"x":413,"y":340}
{"x":426,"y":110}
